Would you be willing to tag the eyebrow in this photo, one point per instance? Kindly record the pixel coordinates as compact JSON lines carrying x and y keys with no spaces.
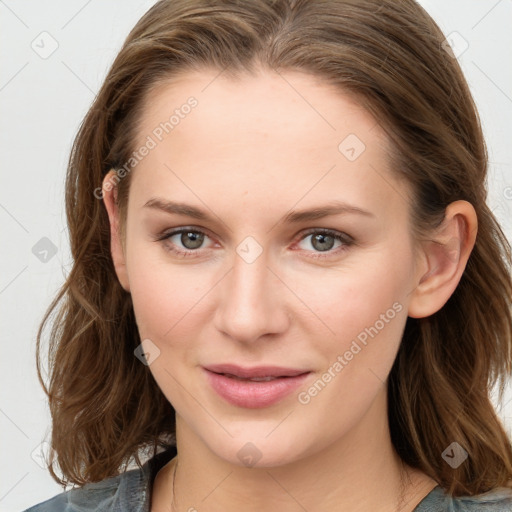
{"x":292,"y":217}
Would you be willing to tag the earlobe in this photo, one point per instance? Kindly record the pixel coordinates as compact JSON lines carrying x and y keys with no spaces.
{"x":445,"y":254}
{"x":109,"y":193}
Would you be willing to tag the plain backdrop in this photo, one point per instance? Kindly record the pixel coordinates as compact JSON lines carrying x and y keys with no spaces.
{"x":54,"y":57}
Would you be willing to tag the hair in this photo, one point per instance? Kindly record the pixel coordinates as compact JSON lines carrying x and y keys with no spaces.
{"x":105,"y":405}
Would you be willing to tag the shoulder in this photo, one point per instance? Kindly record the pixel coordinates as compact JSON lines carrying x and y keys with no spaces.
{"x":126,"y":492}
{"x":497,"y":500}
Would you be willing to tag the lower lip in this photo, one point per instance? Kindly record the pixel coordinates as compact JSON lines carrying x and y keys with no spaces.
{"x":251,"y":394}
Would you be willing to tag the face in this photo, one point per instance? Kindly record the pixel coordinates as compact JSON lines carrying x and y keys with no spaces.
{"x":265,"y":230}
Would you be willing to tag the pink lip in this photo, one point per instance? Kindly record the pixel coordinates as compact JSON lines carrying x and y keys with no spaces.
{"x":252,"y":394}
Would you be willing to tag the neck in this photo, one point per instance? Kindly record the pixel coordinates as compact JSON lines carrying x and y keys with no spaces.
{"x":360,"y":472}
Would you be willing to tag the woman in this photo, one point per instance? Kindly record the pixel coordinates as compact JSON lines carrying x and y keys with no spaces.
{"x":288,"y":291}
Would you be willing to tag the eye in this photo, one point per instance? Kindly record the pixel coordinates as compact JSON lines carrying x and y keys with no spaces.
{"x":184,"y":241}
{"x":188,"y":242}
{"x":325,"y":241}
{"x":189,"y":239}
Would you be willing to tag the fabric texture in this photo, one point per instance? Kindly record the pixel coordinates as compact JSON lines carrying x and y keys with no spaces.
{"x":131,"y":492}
{"x":127,"y":492}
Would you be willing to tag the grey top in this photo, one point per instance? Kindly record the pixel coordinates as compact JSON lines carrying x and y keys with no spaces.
{"x":131,"y":492}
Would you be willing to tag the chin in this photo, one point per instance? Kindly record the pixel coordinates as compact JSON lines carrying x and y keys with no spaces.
{"x":256,"y":446}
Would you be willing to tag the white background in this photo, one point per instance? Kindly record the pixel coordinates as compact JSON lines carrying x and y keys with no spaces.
{"x":42,"y":102}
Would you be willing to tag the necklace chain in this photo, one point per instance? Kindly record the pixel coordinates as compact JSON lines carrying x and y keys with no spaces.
{"x":174,"y":508}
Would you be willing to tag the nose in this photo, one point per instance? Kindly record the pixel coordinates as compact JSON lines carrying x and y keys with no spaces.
{"x":251,"y":302}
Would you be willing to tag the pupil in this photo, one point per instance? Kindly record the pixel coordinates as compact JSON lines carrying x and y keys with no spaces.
{"x":323,"y":242}
{"x":192,"y":240}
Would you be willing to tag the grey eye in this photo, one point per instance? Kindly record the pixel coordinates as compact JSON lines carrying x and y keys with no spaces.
{"x":322,"y":242}
{"x":191,"y":239}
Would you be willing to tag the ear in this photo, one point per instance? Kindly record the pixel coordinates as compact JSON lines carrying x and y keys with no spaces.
{"x":443,"y":259}
{"x":109,"y":193}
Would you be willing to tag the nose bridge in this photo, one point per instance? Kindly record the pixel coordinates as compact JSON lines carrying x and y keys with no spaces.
{"x":248,"y":282}
{"x":250,"y":305}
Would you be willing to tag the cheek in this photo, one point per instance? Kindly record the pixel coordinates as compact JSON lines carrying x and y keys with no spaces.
{"x":366,"y":313}
{"x":165,"y":296}
{"x":168,"y":301}
{"x":360,"y":314}
{"x":348,"y":300}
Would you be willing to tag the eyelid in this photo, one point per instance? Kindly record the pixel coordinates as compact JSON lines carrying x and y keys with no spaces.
{"x":345,"y":239}
{"x":169,"y":233}
{"x":182,"y":229}
{"x":327,"y":231}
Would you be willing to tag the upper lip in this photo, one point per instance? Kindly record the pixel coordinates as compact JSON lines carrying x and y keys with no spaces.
{"x":256,"y":371}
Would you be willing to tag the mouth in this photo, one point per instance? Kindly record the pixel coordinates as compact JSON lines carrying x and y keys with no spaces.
{"x":256,"y":374}
{"x":254,"y":387}
{"x":253,"y":379}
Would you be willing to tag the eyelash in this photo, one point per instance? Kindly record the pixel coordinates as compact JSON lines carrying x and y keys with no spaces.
{"x":346,"y":241}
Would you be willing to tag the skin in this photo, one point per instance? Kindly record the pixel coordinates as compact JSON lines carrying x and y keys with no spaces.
{"x":250,"y":152}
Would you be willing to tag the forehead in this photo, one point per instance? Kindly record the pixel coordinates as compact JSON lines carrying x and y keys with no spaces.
{"x":287,"y":106}
{"x":274,"y":135}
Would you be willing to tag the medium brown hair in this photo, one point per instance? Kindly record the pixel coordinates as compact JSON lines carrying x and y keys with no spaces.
{"x":105,"y":405}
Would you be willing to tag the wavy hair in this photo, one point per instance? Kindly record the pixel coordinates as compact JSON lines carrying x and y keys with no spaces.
{"x":106,"y":407}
